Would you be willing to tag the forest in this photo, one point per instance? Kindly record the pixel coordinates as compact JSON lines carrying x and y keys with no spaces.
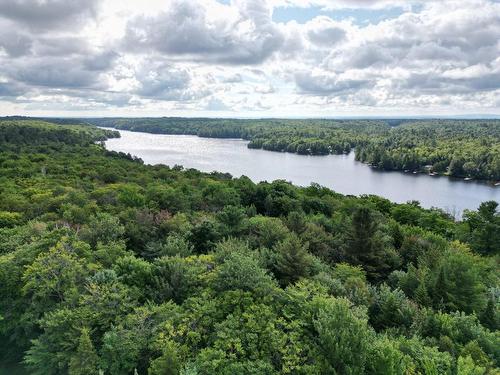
{"x":110,"y":266}
{"x":457,"y":148}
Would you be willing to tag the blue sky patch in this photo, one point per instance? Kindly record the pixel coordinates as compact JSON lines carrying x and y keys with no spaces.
{"x":359,"y":16}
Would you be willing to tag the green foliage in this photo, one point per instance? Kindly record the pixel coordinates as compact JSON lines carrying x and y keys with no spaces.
{"x":391,"y":308}
{"x":10,"y":219}
{"x":483,"y":229}
{"x":462,"y":283}
{"x":243,"y":272}
{"x":110,"y":265}
{"x":466,"y":366}
{"x":167,"y":364}
{"x":292,"y":260}
{"x":385,"y":358}
{"x":172,"y":246}
{"x":85,"y":361}
{"x":366,"y":245}
{"x":54,"y":277}
{"x":103,"y":229}
{"x":343,"y":337}
{"x":457,"y":148}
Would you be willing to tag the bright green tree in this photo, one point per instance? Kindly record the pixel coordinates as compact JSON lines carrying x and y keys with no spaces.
{"x":85,"y":360}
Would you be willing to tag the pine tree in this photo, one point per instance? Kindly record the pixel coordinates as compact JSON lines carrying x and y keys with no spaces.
{"x":365,"y":245}
{"x":439,"y":293}
{"x":421,"y":294}
{"x":167,"y":364}
{"x":85,"y":361}
{"x":293,"y":260}
{"x":489,"y":317}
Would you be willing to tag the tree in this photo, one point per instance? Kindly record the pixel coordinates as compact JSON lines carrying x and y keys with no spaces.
{"x":266,"y":231}
{"x":175,"y":278}
{"x":103,"y":228}
{"x":204,"y":235}
{"x":466,"y":366}
{"x":167,"y":364}
{"x":85,"y":361}
{"x":9,"y":219}
{"x":343,"y":337}
{"x":296,"y":221}
{"x":365,"y":244}
{"x":120,"y":351}
{"x":242,"y":271}
{"x":490,"y":317}
{"x":385,"y":358}
{"x":391,"y":308}
{"x":464,"y":288}
{"x":232,"y":217}
{"x":484,"y":228}
{"x":54,"y":277}
{"x":106,"y":298}
{"x":440,"y":290}
{"x":292,"y":260}
{"x":173,"y":245}
{"x":60,"y":335}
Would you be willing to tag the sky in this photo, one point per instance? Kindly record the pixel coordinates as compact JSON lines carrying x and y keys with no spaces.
{"x":249,"y":58}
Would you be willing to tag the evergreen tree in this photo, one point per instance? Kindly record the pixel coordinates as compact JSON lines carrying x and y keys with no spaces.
{"x":293,"y":260}
{"x":485,"y":229}
{"x":489,"y":317}
{"x":85,"y":361}
{"x":365,"y":245}
{"x":167,"y":364}
{"x":439,"y":293}
{"x":296,"y":222}
{"x":421,"y":294}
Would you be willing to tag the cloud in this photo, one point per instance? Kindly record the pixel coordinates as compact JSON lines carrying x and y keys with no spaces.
{"x":53,"y":73}
{"x":242,"y":34}
{"x":265,"y":89}
{"x":422,"y":53}
{"x":233,"y":78}
{"x":160,"y":80}
{"x":200,"y":55}
{"x":326,"y":84}
{"x":11,"y":90}
{"x":81,"y":71}
{"x":216,"y":104}
{"x":48,"y":14}
{"x":323,"y":31}
{"x":63,"y":46}
{"x":13,"y":43}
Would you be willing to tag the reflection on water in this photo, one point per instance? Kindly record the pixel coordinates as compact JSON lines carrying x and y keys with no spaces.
{"x":338,"y":172}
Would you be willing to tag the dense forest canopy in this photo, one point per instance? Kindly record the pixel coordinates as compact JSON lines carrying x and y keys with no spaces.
{"x":109,"y":265}
{"x":458,"y":148}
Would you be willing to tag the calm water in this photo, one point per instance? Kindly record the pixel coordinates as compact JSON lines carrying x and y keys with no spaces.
{"x":340,"y":173}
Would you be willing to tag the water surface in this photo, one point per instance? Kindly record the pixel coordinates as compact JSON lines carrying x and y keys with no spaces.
{"x":341,"y":173}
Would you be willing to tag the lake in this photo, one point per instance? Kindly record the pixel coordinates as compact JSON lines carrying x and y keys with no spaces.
{"x":340,"y":173}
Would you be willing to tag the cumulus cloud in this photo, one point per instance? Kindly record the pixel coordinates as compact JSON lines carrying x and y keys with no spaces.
{"x":323,"y":31}
{"x":47,"y":14}
{"x":67,"y":71}
{"x":160,"y":80}
{"x":327,"y":84}
{"x":241,"y":34}
{"x":420,"y":53}
{"x":231,"y":55}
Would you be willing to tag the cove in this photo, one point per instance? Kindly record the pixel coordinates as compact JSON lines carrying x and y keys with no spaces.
{"x":340,"y":173}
